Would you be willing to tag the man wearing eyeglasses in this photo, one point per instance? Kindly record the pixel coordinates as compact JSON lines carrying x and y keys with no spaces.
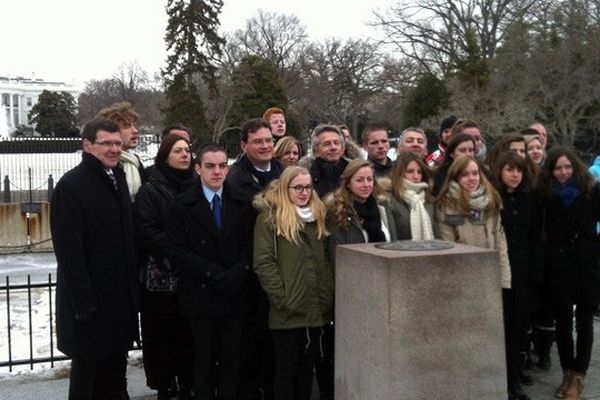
{"x":96,"y":293}
{"x":125,"y":116}
{"x":376,"y":143}
{"x":248,"y":176}
{"x":256,"y":168}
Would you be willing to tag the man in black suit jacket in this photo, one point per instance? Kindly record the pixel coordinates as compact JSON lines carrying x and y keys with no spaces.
{"x":96,"y":293}
{"x":213,"y":229}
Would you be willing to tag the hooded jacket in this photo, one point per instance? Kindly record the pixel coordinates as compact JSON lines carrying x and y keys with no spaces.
{"x":297,"y":278}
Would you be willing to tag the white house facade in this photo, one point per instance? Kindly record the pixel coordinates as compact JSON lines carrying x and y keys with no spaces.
{"x":19,"y":95}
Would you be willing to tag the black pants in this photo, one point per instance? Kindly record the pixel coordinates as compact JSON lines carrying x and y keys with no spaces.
{"x":98,"y":379}
{"x":575,"y":357}
{"x":295,"y":353}
{"x":167,"y":341}
{"x":324,"y":366}
{"x":217,"y":346}
{"x":514,"y":329}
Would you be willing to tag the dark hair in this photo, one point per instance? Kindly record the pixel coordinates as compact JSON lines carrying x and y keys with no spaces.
{"x":447,"y":123}
{"x":165,"y":148}
{"x":583,"y":179}
{"x":372,"y":127}
{"x":502,"y":146}
{"x":209,"y":148}
{"x":512,"y":160}
{"x":251,"y":126}
{"x":167,"y":131}
{"x":91,"y":128}
{"x":454,"y":143}
{"x":529,"y":131}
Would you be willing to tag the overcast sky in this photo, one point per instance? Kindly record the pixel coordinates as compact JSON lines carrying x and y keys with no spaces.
{"x":78,"y":40}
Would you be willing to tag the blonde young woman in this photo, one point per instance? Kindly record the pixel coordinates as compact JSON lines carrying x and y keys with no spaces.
{"x":291,"y":264}
{"x":468,"y":211}
{"x":288,"y":151}
{"x":411,"y":204}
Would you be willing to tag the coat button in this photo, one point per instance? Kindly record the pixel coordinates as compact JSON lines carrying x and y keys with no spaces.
{"x":515,"y":212}
{"x":208,"y":274}
{"x":247,"y":267}
{"x":203,"y":285}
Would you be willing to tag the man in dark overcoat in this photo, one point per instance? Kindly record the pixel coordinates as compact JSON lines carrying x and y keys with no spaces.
{"x":96,"y":294}
{"x":213,"y":229}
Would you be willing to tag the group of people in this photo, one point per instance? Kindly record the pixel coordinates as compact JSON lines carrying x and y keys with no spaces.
{"x":232,"y":266}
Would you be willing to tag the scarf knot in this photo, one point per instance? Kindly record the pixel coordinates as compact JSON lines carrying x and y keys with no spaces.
{"x":414,"y":197}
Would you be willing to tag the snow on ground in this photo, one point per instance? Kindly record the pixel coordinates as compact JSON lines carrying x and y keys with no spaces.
{"x":16,"y":166}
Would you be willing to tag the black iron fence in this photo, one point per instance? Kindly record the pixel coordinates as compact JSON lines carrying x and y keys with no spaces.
{"x":29,"y":167}
{"x":29,"y":338}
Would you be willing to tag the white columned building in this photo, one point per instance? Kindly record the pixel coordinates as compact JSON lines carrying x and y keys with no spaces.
{"x":17,"y":97}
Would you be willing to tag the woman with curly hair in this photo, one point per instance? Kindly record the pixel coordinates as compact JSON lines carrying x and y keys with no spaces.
{"x":411,"y":204}
{"x":571,"y":209}
{"x":468,"y":211}
{"x":291,"y":264}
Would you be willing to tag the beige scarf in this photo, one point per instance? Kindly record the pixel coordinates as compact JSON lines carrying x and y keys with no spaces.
{"x":420,"y":223}
{"x":130,"y":164}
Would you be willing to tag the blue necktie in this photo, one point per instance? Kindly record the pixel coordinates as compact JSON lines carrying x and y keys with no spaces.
{"x":216,"y":210}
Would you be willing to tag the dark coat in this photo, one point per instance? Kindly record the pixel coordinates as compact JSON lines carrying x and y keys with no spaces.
{"x":325,"y":175}
{"x":215,"y":273}
{"x":523,"y":230}
{"x":243,"y":183}
{"x":152,"y":215}
{"x":572,"y":246}
{"x":92,"y":232}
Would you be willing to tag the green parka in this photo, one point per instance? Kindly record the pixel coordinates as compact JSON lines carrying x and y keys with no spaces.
{"x":297,"y":278}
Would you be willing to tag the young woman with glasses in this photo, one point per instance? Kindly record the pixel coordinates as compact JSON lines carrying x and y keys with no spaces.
{"x":291,"y":264}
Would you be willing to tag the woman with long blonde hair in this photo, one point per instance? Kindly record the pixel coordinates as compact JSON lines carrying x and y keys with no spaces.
{"x":291,"y":264}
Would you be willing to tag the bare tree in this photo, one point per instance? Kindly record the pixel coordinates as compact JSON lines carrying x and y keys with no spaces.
{"x":438,"y":34}
{"x":278,"y":37}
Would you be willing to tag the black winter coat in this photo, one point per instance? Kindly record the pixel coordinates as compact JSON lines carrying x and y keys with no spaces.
{"x":215,"y":266}
{"x":572,"y":249}
{"x":93,"y":236}
{"x":152,"y":215}
{"x":522,"y":227}
{"x":243,"y":183}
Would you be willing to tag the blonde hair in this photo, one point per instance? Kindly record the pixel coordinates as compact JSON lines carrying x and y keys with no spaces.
{"x":343,"y":200}
{"x":285,"y":144}
{"x":446,"y":201}
{"x":282,"y":211}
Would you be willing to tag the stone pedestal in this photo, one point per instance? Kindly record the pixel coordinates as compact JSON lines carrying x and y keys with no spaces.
{"x":418,"y":325}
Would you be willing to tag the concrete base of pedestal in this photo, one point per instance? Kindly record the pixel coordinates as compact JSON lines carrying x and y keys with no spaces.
{"x":418,"y":325}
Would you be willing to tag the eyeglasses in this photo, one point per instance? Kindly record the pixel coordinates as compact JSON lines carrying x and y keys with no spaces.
{"x":108,"y":143}
{"x":299,"y":188}
{"x":258,"y":142}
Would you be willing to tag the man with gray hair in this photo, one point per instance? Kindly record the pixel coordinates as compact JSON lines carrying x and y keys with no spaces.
{"x":413,"y":140}
{"x":327,"y":161}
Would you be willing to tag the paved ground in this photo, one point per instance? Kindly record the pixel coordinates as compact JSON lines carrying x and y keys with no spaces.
{"x":42,"y":387}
